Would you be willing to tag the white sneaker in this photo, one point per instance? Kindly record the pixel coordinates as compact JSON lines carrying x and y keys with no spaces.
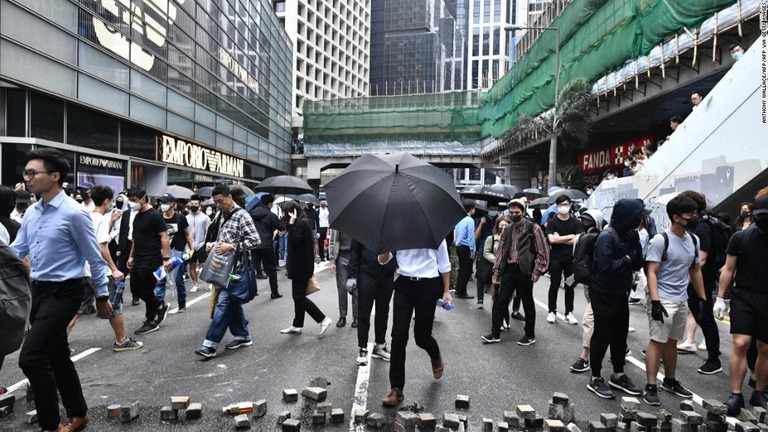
{"x":703,"y":345}
{"x":324,"y":324}
{"x":551,"y":317}
{"x":281,"y":263}
{"x":570,"y":319}
{"x":688,"y":347}
{"x":291,"y":330}
{"x":193,"y":289}
{"x":362,"y":357}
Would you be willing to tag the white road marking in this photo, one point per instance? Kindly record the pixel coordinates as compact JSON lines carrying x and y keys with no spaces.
{"x":82,"y":355}
{"x":361,"y":391}
{"x":191,"y":302}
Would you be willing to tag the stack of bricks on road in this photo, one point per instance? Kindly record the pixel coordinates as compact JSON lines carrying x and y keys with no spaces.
{"x":191,"y":411}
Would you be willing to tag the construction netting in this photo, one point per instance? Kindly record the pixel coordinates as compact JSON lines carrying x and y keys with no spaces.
{"x":596,"y":37}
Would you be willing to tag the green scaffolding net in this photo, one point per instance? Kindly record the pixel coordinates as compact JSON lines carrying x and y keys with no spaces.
{"x":596,"y":37}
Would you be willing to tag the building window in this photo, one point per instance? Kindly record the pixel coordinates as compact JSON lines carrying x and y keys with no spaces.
{"x":16,"y":109}
{"x":46,"y":118}
{"x":88,"y":128}
{"x":280,"y":6}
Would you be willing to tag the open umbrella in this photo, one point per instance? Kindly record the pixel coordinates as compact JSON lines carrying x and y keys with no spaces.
{"x":533,"y":193}
{"x":284,"y":184}
{"x":485,"y":193}
{"x":307,"y":198}
{"x":247,"y":191}
{"x":179,"y":192}
{"x":506,"y":188}
{"x":394,"y":202}
{"x":206,"y":191}
{"x":252,"y":201}
{"x":573,"y":194}
{"x":539,"y":202}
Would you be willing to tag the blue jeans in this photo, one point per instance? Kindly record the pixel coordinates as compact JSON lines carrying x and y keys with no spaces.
{"x":178,"y":275}
{"x":227,"y":313}
{"x":282,"y":240}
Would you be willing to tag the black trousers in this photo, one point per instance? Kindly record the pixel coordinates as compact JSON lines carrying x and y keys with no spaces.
{"x":372,"y":289}
{"x":412,"y":297}
{"x":143,"y":282}
{"x":301,"y":304}
{"x":268,"y":260}
{"x":45,"y":354}
{"x":323,"y":232}
{"x":514,"y":281}
{"x":465,"y":269}
{"x":558,"y":270}
{"x":707,"y":323}
{"x":611,"y":328}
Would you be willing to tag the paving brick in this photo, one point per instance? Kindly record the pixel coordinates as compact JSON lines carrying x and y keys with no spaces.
{"x":746,"y":427}
{"x":291,"y":425}
{"x":462,"y":402}
{"x":113,"y":411}
{"x":464,"y":419}
{"x":637,"y":427}
{"x":179,"y":402}
{"x":7,"y":400}
{"x":167,"y":413}
{"x":525,"y":412}
{"x":318,"y":418}
{"x":714,"y":425}
{"x":511,"y":418}
{"x":714,"y":406}
{"x":571,"y":427}
{"x":5,"y":411}
{"x":337,"y":415}
{"x":399,"y":427}
{"x":663,"y":415}
{"x":260,"y":408}
{"x":569,"y":413}
{"x":763,"y":427}
{"x":315,"y":393}
{"x":502,"y":426}
{"x":407,"y":418}
{"x":645,"y":419}
{"x":32,"y":417}
{"x":130,"y":412}
{"x":680,"y":426}
{"x":692,"y":417}
{"x":596,"y":426}
{"x":560,"y":398}
{"x":242,"y":421}
{"x":686,"y":405}
{"x":534,"y":423}
{"x":427,"y":421}
{"x":630,"y":403}
{"x":746,"y":415}
{"x":451,"y":421}
{"x":759,"y":413}
{"x":554,"y":425}
{"x":375,"y":420}
{"x":283,"y":416}
{"x":442,"y":429}
{"x":324,"y":407}
{"x":555,"y":411}
{"x":290,"y":395}
{"x":361,"y":415}
{"x":487,"y":424}
{"x":628,"y":414}
{"x":194,"y":411}
{"x":609,"y":420}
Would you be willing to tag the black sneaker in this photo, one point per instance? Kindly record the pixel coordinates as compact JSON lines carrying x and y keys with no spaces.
{"x":380,"y":353}
{"x":527,"y":340}
{"x":162,"y":312}
{"x":710,"y":367}
{"x":600,"y":388}
{"x":673,"y":386}
{"x":758,"y":399}
{"x":625,"y":384}
{"x":128,"y":345}
{"x":580,"y":365}
{"x":734,"y":403}
{"x":135,"y":302}
{"x":237,"y":343}
{"x":206,"y":351}
{"x":518,"y":316}
{"x":148,"y":327}
{"x":490,"y":338}
{"x":651,"y":395}
{"x":182,"y":308}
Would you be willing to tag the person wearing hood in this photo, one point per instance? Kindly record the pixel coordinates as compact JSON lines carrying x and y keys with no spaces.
{"x":267,"y":224}
{"x":617,"y":256}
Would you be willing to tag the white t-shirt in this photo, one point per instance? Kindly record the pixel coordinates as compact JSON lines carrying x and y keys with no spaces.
{"x":673,"y":276}
{"x":101,"y":227}
{"x":322,"y":217}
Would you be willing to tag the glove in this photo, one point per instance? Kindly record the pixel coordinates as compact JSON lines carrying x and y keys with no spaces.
{"x":351,"y":285}
{"x":632,"y":236}
{"x":703,"y":305}
{"x":657,"y":310}
{"x":720,"y":308}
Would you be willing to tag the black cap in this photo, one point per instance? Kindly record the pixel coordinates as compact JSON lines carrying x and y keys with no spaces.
{"x":167,"y":198}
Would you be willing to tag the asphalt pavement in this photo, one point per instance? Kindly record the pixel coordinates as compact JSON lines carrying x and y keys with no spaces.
{"x":496,"y":377}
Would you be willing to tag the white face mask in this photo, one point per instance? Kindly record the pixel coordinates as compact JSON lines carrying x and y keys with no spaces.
{"x":164,"y":207}
{"x":135,"y":206}
{"x":563,"y":210}
{"x":209,"y":211}
{"x":492,"y":213}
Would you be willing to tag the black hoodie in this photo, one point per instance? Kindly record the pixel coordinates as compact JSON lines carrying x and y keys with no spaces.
{"x":266,"y":223}
{"x":615,"y":258}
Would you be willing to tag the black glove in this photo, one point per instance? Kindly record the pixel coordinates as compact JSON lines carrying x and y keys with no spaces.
{"x":703,"y":305}
{"x":633,"y":237}
{"x":657,"y":310}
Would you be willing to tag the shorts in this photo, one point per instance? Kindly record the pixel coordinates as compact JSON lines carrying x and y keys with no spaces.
{"x":115,"y":296}
{"x":673,"y":326}
{"x":88,"y":305}
{"x":748,"y":316}
{"x":199,"y":256}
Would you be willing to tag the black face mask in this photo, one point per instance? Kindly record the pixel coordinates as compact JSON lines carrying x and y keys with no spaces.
{"x":516,"y":218}
{"x":744,"y":213}
{"x":118,"y":205}
{"x":79,"y":200}
{"x":690,"y":224}
{"x":194,"y":209}
{"x":85,"y":195}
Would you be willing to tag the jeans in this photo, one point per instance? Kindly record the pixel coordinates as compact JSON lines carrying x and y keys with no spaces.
{"x":611,"y":314}
{"x":45,"y":354}
{"x":558,"y":269}
{"x":465,"y":269}
{"x":323,"y":232}
{"x":227,"y":313}
{"x":372,"y":289}
{"x":514,"y":282}
{"x":412,"y":298}
{"x":342,"y":274}
{"x":707,"y":323}
{"x":144,"y":282}
{"x":454,"y":265}
{"x":177,"y":275}
{"x":267,"y":258}
{"x":281,"y":245}
{"x":301,"y":304}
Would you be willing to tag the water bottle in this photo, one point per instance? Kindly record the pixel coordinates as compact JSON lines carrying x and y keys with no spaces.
{"x":118,"y":292}
{"x":445,"y":305}
{"x":161,"y":273}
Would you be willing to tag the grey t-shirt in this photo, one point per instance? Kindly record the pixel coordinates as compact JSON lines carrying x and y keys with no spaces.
{"x":673,"y":277}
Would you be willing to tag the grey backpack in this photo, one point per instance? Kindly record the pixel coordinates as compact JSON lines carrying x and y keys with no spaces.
{"x":15,"y":300}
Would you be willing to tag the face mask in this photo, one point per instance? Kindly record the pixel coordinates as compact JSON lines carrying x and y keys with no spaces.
{"x":611,"y":177}
{"x":589,"y":192}
{"x":135,"y":206}
{"x":626,"y":163}
{"x":85,"y":195}
{"x":563,"y":210}
{"x":744,"y":213}
{"x":323,"y":205}
{"x":690,"y":224}
{"x":118,"y":205}
{"x":209,"y":211}
{"x":737,"y":55}
{"x":516,"y":218}
{"x":762,"y":225}
{"x":492,"y":213}
{"x":164,"y":207}
{"x":194,"y":209}
{"x":79,"y":200}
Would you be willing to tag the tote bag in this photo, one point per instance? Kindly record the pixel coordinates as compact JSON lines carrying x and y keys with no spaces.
{"x":218,"y":267}
{"x":242,"y":285}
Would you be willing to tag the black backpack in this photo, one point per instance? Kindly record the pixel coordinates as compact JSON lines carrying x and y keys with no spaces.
{"x":584,"y":255}
{"x":721,"y":236}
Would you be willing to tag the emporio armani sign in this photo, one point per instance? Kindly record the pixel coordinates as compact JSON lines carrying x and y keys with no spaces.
{"x":179,"y":152}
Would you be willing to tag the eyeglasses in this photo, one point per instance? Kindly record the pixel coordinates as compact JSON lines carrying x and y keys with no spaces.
{"x":30,"y":174}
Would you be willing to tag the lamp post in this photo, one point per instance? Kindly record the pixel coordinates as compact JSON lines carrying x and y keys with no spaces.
{"x":553,"y":139}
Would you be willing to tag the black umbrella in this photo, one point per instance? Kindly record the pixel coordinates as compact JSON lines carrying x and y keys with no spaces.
{"x":307,"y":198}
{"x":394,"y":202}
{"x":507,"y":188}
{"x":485,"y":193}
{"x":283,"y":185}
{"x":206,"y":191}
{"x":539,"y":202}
{"x":573,"y":194}
{"x":533,"y":193}
{"x":246,"y":190}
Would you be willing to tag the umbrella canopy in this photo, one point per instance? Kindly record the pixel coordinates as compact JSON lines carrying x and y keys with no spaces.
{"x":394,"y":202}
{"x":485,"y":193}
{"x":252,"y":201}
{"x":246,"y":190}
{"x":179,"y":192}
{"x":284,"y":184}
{"x":506,"y":188}
{"x":573,"y":194}
{"x":208,"y":202}
{"x":283,"y":198}
{"x":533,"y":193}
{"x":540,"y":202}
{"x":307,"y":198}
{"x":206,"y":191}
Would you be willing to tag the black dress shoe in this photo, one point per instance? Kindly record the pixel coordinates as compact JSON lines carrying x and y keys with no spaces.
{"x":261,"y":276}
{"x":342,"y":322}
{"x":276,"y":296}
{"x":354,"y":323}
{"x":135,"y":302}
{"x":518,"y":316}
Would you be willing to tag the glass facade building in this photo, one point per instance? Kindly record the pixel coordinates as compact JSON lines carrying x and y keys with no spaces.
{"x":175,"y":89}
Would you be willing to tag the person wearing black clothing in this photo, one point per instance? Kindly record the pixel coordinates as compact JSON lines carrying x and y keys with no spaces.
{"x":266,"y":224}
{"x":178,"y":231}
{"x":314,"y":218}
{"x":301,"y":267}
{"x":7,"y":204}
{"x":374,"y":283}
{"x":150,"y":250}
{"x":617,"y":256}
{"x":561,"y":233}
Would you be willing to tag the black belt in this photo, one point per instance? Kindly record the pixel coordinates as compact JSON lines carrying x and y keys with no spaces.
{"x":418,"y":278}
{"x":41,"y":284}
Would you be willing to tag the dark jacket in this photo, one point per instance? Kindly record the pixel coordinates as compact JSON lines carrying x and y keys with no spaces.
{"x":266,"y":223}
{"x":15,"y":298}
{"x":365,"y":260}
{"x":615,"y":262}
{"x":301,"y":249}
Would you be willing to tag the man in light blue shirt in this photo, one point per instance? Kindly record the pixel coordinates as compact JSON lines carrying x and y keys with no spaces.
{"x":58,"y":236}
{"x":464,"y":239}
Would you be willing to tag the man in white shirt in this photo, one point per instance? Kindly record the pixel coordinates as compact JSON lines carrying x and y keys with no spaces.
{"x":424,"y":279}
{"x":22,"y":202}
{"x":322,"y":231}
{"x":84,"y":190}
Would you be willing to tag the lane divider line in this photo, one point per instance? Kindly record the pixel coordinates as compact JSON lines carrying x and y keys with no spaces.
{"x":361,"y":391}
{"x":80,"y":356}
{"x":191,"y":302}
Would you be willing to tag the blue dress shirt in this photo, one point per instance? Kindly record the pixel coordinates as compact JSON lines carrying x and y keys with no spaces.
{"x":59,"y":237}
{"x":465,"y":233}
